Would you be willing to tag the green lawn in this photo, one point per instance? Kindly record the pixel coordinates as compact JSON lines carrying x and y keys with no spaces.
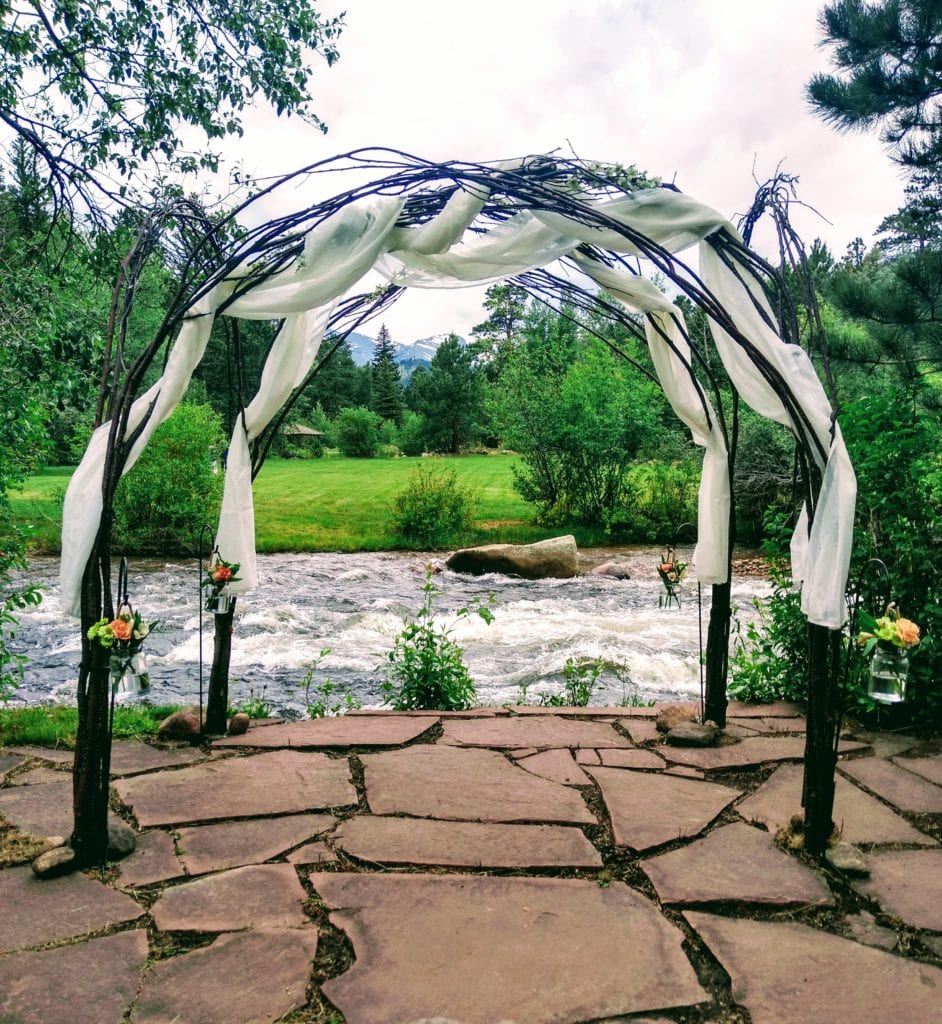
{"x":333,"y":504}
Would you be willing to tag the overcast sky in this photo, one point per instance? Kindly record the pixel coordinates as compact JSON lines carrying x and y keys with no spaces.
{"x":700,"y":92}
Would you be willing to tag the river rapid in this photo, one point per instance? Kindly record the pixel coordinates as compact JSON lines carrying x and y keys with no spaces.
{"x":356,"y":605}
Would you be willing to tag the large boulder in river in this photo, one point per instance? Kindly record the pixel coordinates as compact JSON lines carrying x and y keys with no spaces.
{"x":554,"y":558}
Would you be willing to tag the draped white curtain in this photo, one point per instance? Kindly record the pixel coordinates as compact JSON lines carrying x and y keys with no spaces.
{"x":358,"y":238}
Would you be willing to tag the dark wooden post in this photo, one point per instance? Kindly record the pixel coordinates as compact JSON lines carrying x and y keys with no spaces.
{"x":217,"y":700}
{"x":717,"y":653}
{"x":824,"y":653}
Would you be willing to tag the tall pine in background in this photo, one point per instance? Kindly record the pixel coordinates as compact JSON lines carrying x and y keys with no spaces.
{"x":387,"y":380}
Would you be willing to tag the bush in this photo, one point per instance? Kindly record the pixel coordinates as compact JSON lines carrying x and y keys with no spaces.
{"x":426,"y":666}
{"x":172,"y":490}
{"x":658,"y":497}
{"x":358,"y":432}
{"x":434,"y":510}
{"x":412,"y":432}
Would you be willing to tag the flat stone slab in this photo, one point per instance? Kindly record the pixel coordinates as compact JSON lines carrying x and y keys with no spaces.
{"x":596,"y":711}
{"x":901,"y":788}
{"x":738,"y":863}
{"x":557,"y":766}
{"x":907,"y":883}
{"x":648,"y":810}
{"x":342,"y":731}
{"x":8,"y":762}
{"x":90,"y":981}
{"x":465,"y":785}
{"x":57,"y":755}
{"x":783,"y":973}
{"x":641,"y":730}
{"x":234,"y":843}
{"x":483,"y":950}
{"x":37,"y":911}
{"x":312,"y":853}
{"x":861,"y":818}
{"x":203,"y":987}
{"x":279,"y":782}
{"x":153,"y":860}
{"x":40,"y":810}
{"x":40,"y":776}
{"x":631,"y":759}
{"x":130,"y":757}
{"x":751,"y":751}
{"x":777,"y":709}
{"x":928,"y":767}
{"x":258,"y":896}
{"x":538,"y":731}
{"x":465,"y":844}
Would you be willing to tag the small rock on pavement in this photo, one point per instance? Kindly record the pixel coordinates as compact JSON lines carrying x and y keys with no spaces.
{"x":121,"y":841}
{"x":673,"y":714}
{"x":848,"y":860}
{"x":693,"y":734}
{"x":238,"y":724}
{"x":53,"y":843}
{"x":54,"y":862}
{"x":181,"y":725}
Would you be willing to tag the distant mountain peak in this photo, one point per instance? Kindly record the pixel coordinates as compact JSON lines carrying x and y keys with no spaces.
{"x":422,"y":351}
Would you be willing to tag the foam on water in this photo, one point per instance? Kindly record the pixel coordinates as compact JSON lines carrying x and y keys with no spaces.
{"x":356,"y":605}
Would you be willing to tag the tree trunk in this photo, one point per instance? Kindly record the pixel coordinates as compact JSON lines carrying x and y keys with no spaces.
{"x":824,"y":650}
{"x":717,"y":653}
{"x":217,"y":700}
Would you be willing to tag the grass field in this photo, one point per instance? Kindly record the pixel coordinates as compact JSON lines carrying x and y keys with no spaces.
{"x":334,"y":504}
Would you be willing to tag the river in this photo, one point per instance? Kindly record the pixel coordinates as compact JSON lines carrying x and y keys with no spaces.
{"x":356,"y":604}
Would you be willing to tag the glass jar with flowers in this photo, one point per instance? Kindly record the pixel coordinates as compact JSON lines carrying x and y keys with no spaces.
{"x":219,"y":574}
{"x":671,"y":572}
{"x":888,"y":640}
{"x":123,"y":637}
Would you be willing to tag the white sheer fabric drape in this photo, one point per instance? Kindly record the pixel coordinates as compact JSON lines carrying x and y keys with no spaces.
{"x":344,"y":247}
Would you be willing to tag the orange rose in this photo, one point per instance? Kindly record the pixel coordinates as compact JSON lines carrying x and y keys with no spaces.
{"x":121,"y":629}
{"x":222,"y":574}
{"x":907,"y":631}
{"x":667,"y":567}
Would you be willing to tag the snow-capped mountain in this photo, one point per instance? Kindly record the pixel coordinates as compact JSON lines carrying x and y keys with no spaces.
{"x":419,"y":353}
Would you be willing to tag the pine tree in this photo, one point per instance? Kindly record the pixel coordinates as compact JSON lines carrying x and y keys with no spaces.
{"x":889,"y":57}
{"x":387,"y":380}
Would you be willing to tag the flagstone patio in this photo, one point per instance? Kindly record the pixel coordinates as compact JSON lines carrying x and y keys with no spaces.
{"x":514,"y":865}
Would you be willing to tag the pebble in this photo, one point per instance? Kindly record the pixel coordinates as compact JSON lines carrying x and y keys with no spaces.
{"x":54,"y":862}
{"x":847,"y":859}
{"x":693,"y":734}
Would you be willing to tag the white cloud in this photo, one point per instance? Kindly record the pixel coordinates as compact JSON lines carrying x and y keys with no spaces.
{"x":692,"y":90}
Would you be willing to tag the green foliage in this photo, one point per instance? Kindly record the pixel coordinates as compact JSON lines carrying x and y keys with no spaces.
{"x":434,"y":510}
{"x":450,"y":396}
{"x":117,"y":87}
{"x":580,"y":680}
{"x":256,"y":705}
{"x":411,"y":437}
{"x":426,"y":668}
{"x":324,"y":699}
{"x":387,"y":399}
{"x":657,"y":497}
{"x":172,"y":490}
{"x":56,"y":725}
{"x":358,"y":432}
{"x":12,"y":598}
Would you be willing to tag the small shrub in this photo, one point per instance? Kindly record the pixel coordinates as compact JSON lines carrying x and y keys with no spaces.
{"x":426,"y":668}
{"x":358,"y":432}
{"x":433,"y":510}
{"x":320,"y":700}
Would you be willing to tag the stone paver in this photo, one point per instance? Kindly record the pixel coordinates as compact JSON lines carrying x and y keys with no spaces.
{"x":485,"y":949}
{"x":751,"y":751}
{"x":203,"y":987}
{"x":864,"y":928}
{"x":234,"y":843}
{"x":631,"y":759}
{"x":557,"y":766}
{"x":56,"y":755}
{"x":860,"y":817}
{"x":41,"y":810}
{"x":342,"y":731}
{"x":595,"y":712}
{"x":901,"y":788}
{"x":641,"y":730}
{"x":777,"y":709}
{"x":153,"y":860}
{"x":258,"y":896}
{"x":130,"y":758}
{"x":469,"y":785}
{"x":587,"y":757}
{"x":928,"y":767}
{"x":40,"y":776}
{"x":738,"y":863}
{"x":312,"y":853}
{"x":7,"y":763}
{"x":783,"y":973}
{"x":90,"y":981}
{"x":648,"y":810}
{"x":908,"y":884}
{"x":36,"y":911}
{"x":465,"y":844}
{"x":279,"y":782}
{"x":537,"y":731}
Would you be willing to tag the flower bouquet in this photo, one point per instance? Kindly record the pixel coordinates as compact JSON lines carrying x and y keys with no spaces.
{"x":123,"y":636}
{"x":219,"y":574}
{"x":672,"y":573}
{"x":888,"y":640}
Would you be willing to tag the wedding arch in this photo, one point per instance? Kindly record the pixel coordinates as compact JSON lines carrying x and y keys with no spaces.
{"x":551,"y":225}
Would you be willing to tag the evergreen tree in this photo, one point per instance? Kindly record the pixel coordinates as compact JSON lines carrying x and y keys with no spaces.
{"x":387,"y":380}
{"x":449,"y":395}
{"x":890,"y":63}
{"x":494,"y":339}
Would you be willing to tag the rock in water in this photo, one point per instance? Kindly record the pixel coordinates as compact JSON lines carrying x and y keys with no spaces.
{"x":615,"y":570}
{"x":554,"y":558}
